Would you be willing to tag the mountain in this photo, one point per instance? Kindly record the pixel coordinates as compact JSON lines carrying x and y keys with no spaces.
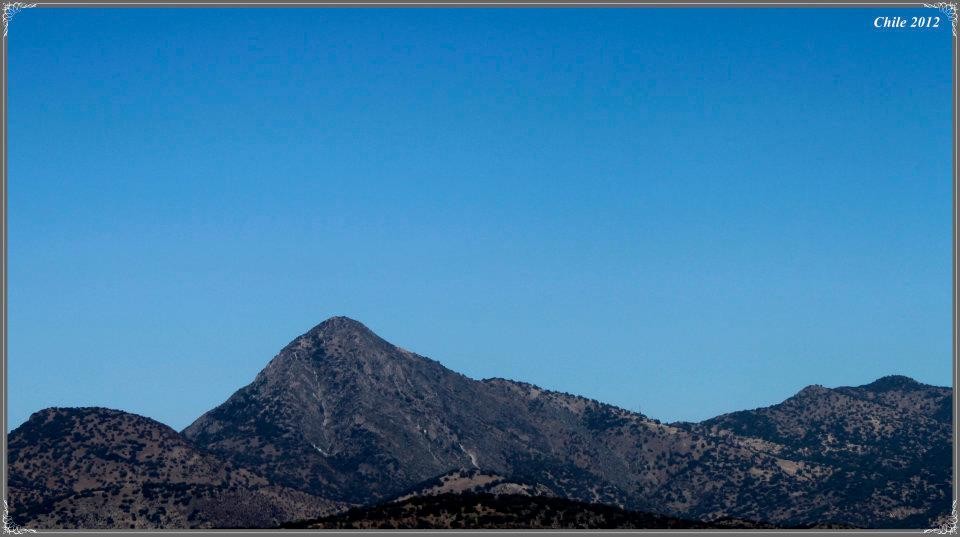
{"x":101,"y":468}
{"x":342,"y":418}
{"x":341,"y":413}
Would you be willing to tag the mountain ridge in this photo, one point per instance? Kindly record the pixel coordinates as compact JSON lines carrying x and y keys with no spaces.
{"x":342,"y":417}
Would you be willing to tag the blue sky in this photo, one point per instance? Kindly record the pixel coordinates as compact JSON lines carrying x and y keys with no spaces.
{"x":681,"y":211}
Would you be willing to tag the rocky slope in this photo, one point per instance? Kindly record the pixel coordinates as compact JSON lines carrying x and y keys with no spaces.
{"x":887,"y":446}
{"x":101,"y":468}
{"x":341,"y":417}
{"x":342,"y":413}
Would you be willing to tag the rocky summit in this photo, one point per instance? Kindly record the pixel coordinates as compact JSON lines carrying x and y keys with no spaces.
{"x":341,"y":418}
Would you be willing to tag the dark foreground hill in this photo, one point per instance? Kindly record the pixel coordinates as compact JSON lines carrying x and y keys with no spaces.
{"x":471,"y":498}
{"x":341,"y":416}
{"x":504,"y":511}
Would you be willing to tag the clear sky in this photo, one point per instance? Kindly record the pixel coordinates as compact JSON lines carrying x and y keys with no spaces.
{"x":681,"y":211}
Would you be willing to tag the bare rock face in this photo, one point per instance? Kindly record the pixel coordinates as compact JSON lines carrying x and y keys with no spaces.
{"x":101,"y":468}
{"x":342,"y":418}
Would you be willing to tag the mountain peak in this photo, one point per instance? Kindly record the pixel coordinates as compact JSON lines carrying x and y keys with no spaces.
{"x":813,"y":390}
{"x":343,"y":332}
{"x":892,"y":382}
{"x":340,"y":323}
